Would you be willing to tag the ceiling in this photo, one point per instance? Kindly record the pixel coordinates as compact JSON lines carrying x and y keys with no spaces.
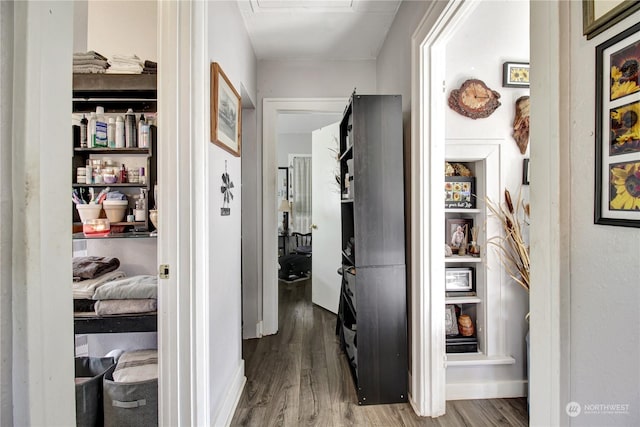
{"x":317,"y":29}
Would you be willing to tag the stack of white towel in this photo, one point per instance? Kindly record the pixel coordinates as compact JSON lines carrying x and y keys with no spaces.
{"x":89,"y":62}
{"x":125,"y":64}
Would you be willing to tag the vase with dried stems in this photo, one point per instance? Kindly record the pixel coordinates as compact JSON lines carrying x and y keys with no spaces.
{"x":512,"y":247}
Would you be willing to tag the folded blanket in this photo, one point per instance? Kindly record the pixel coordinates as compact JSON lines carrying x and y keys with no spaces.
{"x":135,"y":366}
{"x":107,"y":307}
{"x":99,"y":62}
{"x":135,"y":287}
{"x":90,"y":267}
{"x":118,"y":57}
{"x":86,"y":288}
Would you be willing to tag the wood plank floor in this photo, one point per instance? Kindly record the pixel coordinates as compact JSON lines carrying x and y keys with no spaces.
{"x":300,"y":377}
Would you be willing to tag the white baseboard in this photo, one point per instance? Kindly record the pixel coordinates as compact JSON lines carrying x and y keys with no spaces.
{"x":490,"y":390}
{"x":254,"y":333}
{"x":228,"y":409}
{"x":259,"y":329}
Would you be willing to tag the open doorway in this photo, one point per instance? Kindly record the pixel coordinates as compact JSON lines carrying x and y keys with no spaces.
{"x":289,"y":110}
{"x":307,"y":159}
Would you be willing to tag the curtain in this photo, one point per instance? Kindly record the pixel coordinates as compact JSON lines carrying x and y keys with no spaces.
{"x":302,"y":194}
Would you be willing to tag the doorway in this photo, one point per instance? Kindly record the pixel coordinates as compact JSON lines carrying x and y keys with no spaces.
{"x":272,"y":109}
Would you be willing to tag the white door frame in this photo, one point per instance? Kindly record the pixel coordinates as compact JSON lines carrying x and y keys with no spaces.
{"x":428,"y":374}
{"x":271,"y":107}
{"x":183,"y":321}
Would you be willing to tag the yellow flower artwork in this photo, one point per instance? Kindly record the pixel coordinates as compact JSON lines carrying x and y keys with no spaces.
{"x":625,"y":65}
{"x":625,"y":179}
{"x":625,"y":129}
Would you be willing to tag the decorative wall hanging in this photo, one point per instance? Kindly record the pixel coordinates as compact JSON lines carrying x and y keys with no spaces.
{"x":599,"y":15}
{"x":521,"y":123}
{"x":515,"y":74}
{"x":226,"y":112}
{"x":617,"y":187}
{"x":225,"y":189}
{"x":474,"y":99}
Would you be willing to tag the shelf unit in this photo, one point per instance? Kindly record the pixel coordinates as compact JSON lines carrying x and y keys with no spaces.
{"x":116,"y":93}
{"x":372,"y":315}
{"x":485,"y":308}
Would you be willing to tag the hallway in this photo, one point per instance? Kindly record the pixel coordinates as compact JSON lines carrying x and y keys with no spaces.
{"x":300,"y":377}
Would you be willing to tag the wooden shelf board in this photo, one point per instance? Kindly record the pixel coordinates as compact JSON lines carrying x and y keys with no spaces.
{"x":456,"y":210}
{"x":462,"y":300}
{"x":90,"y":323}
{"x":476,"y":359}
{"x":346,"y":201}
{"x":456,"y":258}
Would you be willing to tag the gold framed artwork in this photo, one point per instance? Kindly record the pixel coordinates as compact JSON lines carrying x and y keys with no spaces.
{"x":226,"y":112}
{"x":599,"y":15}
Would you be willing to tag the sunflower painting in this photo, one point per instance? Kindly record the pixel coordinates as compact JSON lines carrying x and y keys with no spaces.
{"x":625,"y":186}
{"x":624,"y":71}
{"x":624,"y":129}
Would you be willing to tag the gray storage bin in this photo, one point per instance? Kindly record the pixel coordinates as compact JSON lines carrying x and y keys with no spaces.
{"x":89,"y":410}
{"x":130,"y":404}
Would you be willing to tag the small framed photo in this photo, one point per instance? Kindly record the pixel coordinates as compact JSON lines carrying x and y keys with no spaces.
{"x":457,"y":232}
{"x":525,"y":172}
{"x":459,"y":192}
{"x":451,"y":320}
{"x":458,"y":279}
{"x":515,"y":74}
{"x":599,"y":15}
{"x":226,"y":112}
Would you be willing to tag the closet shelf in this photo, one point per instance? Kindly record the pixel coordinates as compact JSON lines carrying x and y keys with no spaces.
{"x":90,"y":323}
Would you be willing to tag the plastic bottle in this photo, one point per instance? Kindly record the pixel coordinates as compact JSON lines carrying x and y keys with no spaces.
{"x":141,"y":206}
{"x":111,"y":133}
{"x":92,"y":130}
{"x":144,"y":136}
{"x":84,"y":131}
{"x":120,"y":132}
{"x":141,"y":125}
{"x":123,"y":174}
{"x":130,"y":129}
{"x":101,"y":128}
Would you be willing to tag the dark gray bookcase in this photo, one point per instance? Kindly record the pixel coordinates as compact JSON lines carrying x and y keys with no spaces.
{"x":372,"y":315}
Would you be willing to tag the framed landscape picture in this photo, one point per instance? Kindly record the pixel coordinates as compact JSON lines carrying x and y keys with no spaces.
{"x":226,"y":112}
{"x":617,"y":186}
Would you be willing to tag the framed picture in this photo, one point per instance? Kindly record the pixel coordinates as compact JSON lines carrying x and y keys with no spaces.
{"x":525,"y":172}
{"x":226,"y":112}
{"x":457,"y":232}
{"x":617,"y":186}
{"x":458,"y":279}
{"x":599,"y":15}
{"x":459,"y":192}
{"x":515,"y":74}
{"x":450,"y":320}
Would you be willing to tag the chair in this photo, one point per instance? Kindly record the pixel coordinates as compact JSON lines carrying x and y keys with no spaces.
{"x":303,"y":243}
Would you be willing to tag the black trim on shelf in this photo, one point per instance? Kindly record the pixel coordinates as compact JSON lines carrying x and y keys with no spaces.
{"x":84,"y":324}
{"x":347,"y":153}
{"x":105,"y":150}
{"x":344,"y":254}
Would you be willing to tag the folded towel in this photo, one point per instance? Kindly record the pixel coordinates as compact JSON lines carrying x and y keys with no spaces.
{"x":107,"y":307}
{"x":88,"y":55}
{"x":86,"y":288}
{"x":134,"y":287}
{"x":99,"y":62}
{"x":135,"y":366}
{"x":150,"y":64}
{"x":118,"y":57}
{"x":90,"y":267}
{"x":89,"y":69}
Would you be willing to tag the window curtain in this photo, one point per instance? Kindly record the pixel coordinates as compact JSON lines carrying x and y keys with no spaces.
{"x":302,"y":194}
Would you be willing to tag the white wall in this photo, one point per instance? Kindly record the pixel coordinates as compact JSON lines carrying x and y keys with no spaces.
{"x":474,"y":52}
{"x":229,"y":45}
{"x":292,"y":143}
{"x":604,"y":262}
{"x":6,"y":225}
{"x":122,"y":28}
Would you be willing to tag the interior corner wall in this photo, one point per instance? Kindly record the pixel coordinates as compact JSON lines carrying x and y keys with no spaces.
{"x":473,"y":52}
{"x":604,"y":263}
{"x":228,"y":45}
{"x":6,"y":206}
{"x":121,"y":28}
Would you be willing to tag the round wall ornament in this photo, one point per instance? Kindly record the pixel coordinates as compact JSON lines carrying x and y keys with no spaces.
{"x":474,"y":99}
